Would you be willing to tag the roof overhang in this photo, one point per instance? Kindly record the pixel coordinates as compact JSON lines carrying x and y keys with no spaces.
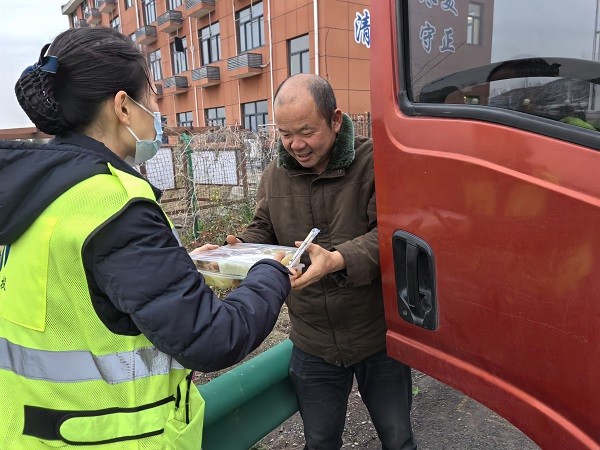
{"x":71,"y":6}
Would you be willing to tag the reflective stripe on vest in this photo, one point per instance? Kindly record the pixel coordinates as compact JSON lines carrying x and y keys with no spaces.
{"x":74,"y":366}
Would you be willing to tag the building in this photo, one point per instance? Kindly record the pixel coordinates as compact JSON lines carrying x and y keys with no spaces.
{"x":220,"y":62}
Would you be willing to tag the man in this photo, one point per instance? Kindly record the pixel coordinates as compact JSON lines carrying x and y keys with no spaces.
{"x":323,"y":177}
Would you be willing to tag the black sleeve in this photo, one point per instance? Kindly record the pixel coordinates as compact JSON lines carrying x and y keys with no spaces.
{"x":136,"y":263}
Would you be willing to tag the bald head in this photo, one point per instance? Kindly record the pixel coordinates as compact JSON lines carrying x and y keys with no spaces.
{"x":299,"y":86}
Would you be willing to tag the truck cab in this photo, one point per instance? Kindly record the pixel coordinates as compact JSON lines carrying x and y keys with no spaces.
{"x":486,"y":119}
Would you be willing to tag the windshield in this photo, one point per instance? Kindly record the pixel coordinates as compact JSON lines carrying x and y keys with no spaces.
{"x":534,"y":56}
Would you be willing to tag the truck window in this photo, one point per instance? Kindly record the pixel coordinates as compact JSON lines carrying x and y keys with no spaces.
{"x":479,"y":58}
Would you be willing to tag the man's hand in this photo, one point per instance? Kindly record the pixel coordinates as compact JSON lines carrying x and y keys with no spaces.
{"x":322,"y":262}
{"x":232,"y":240}
{"x":204,"y":248}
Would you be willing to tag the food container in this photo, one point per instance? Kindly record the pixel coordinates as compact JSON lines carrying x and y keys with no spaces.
{"x":226,"y":266}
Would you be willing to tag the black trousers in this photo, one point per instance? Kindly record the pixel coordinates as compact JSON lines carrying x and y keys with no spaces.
{"x":322,"y":389}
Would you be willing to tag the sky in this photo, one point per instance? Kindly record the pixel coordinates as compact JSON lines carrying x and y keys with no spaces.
{"x":26,"y":27}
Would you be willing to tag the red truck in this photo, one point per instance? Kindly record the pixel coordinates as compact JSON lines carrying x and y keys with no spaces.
{"x":486,"y":119}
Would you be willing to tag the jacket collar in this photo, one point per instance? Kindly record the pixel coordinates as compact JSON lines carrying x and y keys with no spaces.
{"x":342,"y":154}
{"x":100,"y":150}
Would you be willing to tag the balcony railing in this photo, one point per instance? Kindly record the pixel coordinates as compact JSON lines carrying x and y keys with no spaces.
{"x":199,"y":8}
{"x":159,"y":89}
{"x":207,"y":75}
{"x":245,"y":65}
{"x":145,"y":35}
{"x":178,"y":83}
{"x":93,"y":16}
{"x":170,"y":21}
{"x":107,"y":6}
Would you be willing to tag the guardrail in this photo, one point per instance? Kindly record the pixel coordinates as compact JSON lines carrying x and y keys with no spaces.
{"x":246,"y":403}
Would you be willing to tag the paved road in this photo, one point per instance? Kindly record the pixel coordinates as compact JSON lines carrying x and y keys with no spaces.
{"x":444,"y":418}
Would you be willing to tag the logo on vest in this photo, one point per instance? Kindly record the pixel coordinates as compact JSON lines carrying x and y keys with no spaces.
{"x":3,"y":262}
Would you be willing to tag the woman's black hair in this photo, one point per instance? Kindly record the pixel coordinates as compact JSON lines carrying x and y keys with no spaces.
{"x":93,"y":65}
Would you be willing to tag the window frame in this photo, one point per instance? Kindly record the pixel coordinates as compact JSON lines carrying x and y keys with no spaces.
{"x":179,"y":58}
{"x":113,"y":20}
{"x":155,"y":62}
{"x":212,"y":43}
{"x":251,"y":23}
{"x":174,"y":4}
{"x":299,"y":53}
{"x":149,"y":7}
{"x":128,"y":4}
{"x":511,"y":118}
{"x":219,"y":119}
{"x":475,"y":30}
{"x":189,"y":120}
{"x":247,"y":117}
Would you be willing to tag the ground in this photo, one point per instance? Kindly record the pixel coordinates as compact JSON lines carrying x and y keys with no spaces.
{"x":442,"y":418}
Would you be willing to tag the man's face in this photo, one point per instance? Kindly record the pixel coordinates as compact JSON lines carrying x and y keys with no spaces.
{"x":305,"y":134}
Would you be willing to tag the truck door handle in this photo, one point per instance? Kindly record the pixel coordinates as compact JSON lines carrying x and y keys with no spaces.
{"x":415,"y":280}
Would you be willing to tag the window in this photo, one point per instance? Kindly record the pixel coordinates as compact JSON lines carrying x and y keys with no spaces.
{"x":86,"y":8}
{"x":185,"y":119}
{"x":255,"y":114}
{"x":210,"y":42}
{"x":116,"y":23}
{"x":251,"y":29}
{"x":128,"y":4}
{"x":163,"y":122}
{"x":507,"y":69}
{"x":149,"y":11}
{"x":474,"y":24}
{"x":298,"y":51}
{"x":154,"y":62}
{"x":179,"y":59}
{"x":215,"y":117}
{"x":172,"y":4}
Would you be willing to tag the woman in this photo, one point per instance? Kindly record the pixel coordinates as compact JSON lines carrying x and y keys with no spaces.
{"x":102,"y":312}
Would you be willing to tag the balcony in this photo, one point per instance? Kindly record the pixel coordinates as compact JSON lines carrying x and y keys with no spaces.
{"x":176,"y":84}
{"x":170,"y":21}
{"x":207,"y":76}
{"x":93,"y":16}
{"x":245,"y":65}
{"x":145,"y":35}
{"x":199,"y":8}
{"x":159,"y":89}
{"x":107,"y":6}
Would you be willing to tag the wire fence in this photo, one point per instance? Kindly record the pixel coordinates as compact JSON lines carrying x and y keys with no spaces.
{"x":210,"y":177}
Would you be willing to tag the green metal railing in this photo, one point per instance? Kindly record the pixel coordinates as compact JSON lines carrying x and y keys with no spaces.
{"x":246,"y":403}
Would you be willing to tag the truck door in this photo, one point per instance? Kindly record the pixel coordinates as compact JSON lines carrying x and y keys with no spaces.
{"x":487,"y":159}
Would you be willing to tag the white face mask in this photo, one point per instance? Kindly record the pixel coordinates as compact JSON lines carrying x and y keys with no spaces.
{"x":146,"y":149}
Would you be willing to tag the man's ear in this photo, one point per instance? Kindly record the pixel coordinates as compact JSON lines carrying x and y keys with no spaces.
{"x":122,"y":107}
{"x":336,"y":121}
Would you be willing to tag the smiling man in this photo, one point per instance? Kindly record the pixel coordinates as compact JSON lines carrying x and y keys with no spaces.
{"x":323,"y":177}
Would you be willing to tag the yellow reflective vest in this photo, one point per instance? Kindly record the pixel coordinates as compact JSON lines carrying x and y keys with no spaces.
{"x":66,"y":381}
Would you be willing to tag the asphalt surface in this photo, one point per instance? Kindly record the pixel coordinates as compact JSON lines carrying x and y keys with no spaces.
{"x":444,"y":418}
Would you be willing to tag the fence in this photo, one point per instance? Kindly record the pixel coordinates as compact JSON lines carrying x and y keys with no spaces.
{"x":210,"y":176}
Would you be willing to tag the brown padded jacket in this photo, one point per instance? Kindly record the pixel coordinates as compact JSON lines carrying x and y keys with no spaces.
{"x":339,"y":318}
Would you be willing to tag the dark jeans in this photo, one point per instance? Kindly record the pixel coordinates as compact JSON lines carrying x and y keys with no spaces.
{"x":323,"y":389}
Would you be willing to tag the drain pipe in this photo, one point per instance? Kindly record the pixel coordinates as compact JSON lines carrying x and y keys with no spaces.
{"x":271,"y":62}
{"x":316,"y":23}
{"x":137,"y":15}
{"x":192,"y":50}
{"x":236,"y":43}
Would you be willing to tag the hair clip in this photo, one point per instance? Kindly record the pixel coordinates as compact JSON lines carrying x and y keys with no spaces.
{"x":48,"y":64}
